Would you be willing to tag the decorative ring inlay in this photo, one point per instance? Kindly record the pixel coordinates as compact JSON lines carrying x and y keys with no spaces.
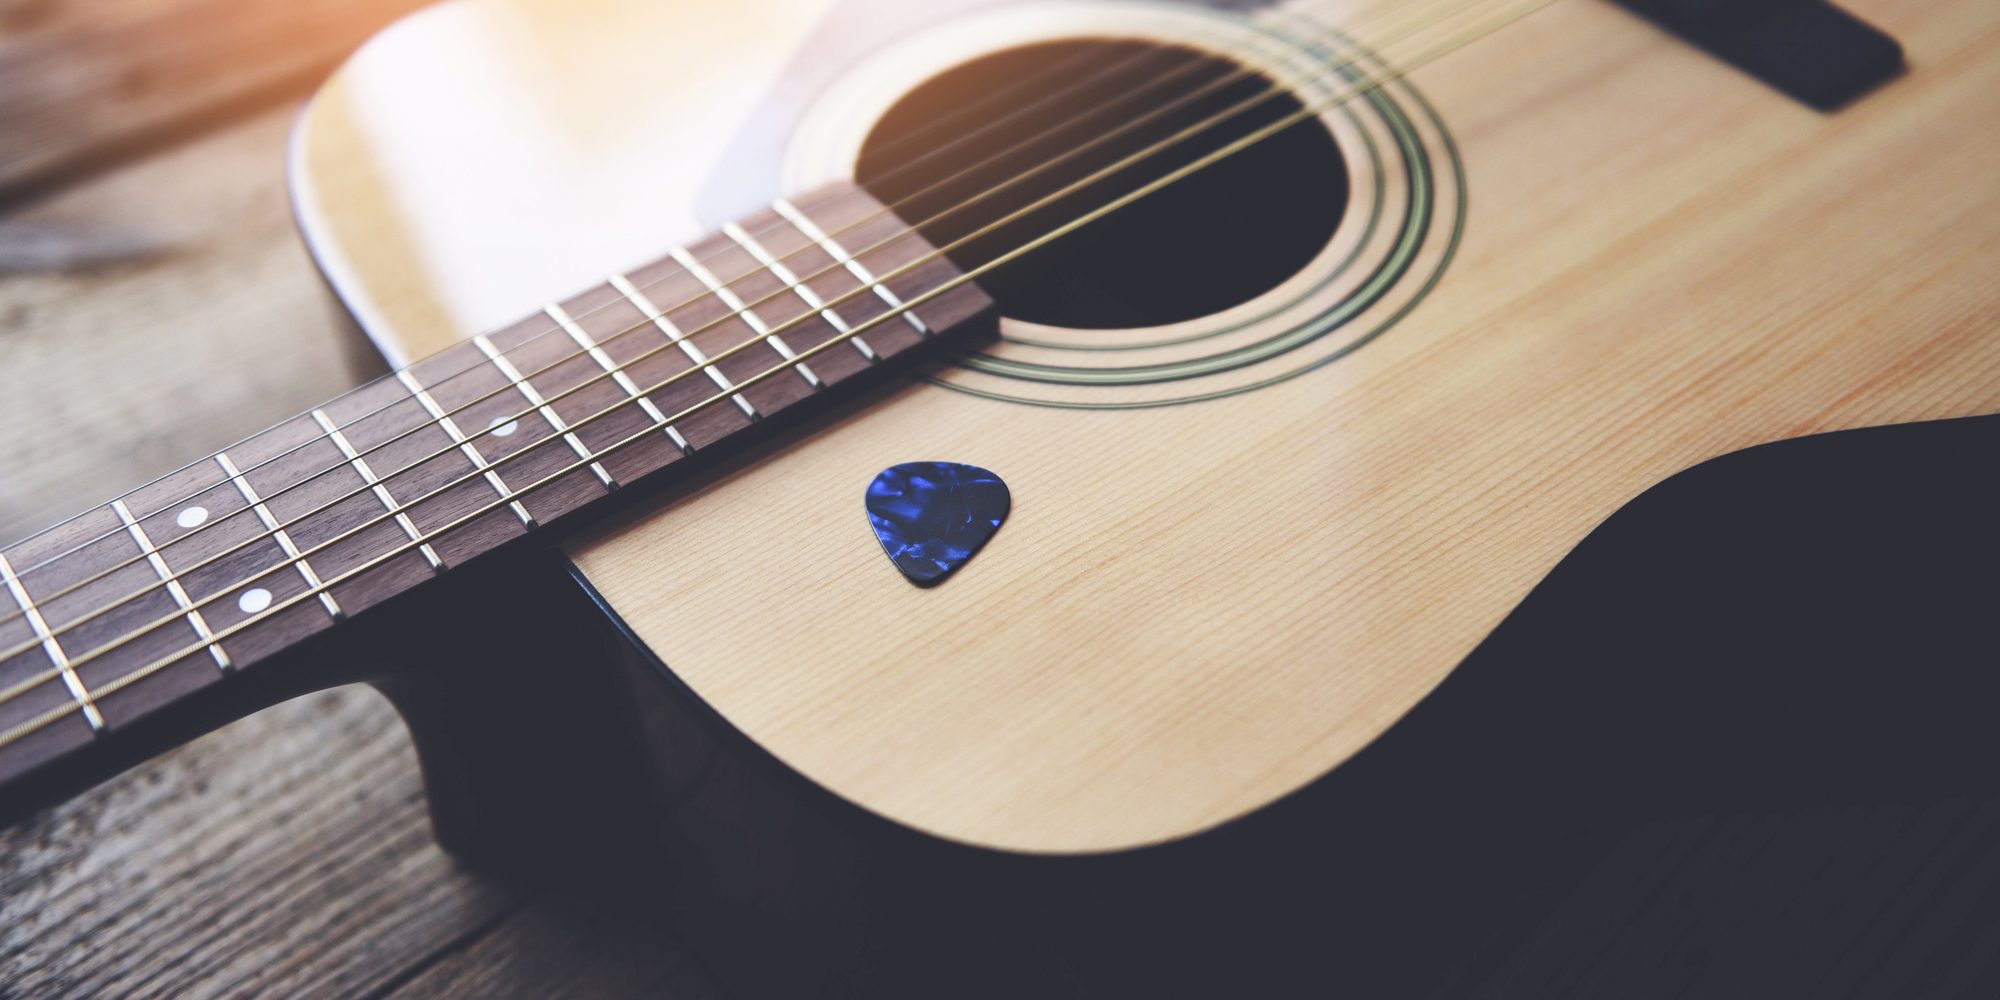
{"x":1401,"y":228}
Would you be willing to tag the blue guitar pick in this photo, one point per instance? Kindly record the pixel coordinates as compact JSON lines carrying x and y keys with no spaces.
{"x":932,"y":516}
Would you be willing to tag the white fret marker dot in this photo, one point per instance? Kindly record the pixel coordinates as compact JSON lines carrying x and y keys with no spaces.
{"x":254,"y":600}
{"x":192,"y":516}
{"x":501,"y":426}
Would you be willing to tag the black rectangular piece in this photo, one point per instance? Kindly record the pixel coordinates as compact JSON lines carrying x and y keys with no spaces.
{"x":1807,"y":49}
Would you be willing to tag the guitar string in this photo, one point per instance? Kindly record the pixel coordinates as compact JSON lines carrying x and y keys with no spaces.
{"x":555,"y":329}
{"x":1136,"y":157}
{"x":1000,"y":94}
{"x":1392,"y":72}
{"x":476,"y":363}
{"x":502,"y":389}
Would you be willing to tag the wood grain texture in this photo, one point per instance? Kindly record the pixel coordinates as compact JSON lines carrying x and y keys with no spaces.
{"x":288,"y":855}
{"x":562,"y":948}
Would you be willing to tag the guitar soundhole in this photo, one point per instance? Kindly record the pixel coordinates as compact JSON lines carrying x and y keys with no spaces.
{"x":986,"y":139}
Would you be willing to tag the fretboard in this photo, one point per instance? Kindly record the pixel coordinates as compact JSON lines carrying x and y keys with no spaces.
{"x":180,"y":584}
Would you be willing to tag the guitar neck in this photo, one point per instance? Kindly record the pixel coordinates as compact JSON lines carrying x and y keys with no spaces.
{"x":174,"y":587}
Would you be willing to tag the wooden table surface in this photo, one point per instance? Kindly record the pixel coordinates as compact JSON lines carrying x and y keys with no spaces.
{"x":156,"y":304}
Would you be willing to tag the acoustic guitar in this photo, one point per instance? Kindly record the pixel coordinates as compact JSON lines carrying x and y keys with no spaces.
{"x":951,"y":498}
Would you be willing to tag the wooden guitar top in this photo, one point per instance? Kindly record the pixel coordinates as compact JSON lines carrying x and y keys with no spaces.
{"x":1196,"y":608}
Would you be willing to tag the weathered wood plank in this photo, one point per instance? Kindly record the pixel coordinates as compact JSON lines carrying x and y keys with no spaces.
{"x":288,"y":855}
{"x":560,"y":948}
{"x":82,"y":82}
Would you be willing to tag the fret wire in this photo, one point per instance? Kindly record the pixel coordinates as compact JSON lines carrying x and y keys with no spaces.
{"x":172,"y":583}
{"x":805,"y":294}
{"x":79,"y":695}
{"x":1355,"y":89}
{"x":839,"y":253}
{"x":278,"y":533}
{"x":479,"y":463}
{"x":675,"y":336}
{"x":548,"y":413}
{"x":367,"y":473}
{"x":736,"y":305}
{"x":569,"y":325}
{"x":853,"y":266}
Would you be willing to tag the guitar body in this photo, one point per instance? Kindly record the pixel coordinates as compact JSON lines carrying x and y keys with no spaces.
{"x":1570,"y":260}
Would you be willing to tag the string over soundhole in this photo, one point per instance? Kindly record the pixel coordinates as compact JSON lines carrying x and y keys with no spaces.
{"x":992,"y":136}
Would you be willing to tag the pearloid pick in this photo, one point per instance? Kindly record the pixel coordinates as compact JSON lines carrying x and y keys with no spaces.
{"x":932,"y":516}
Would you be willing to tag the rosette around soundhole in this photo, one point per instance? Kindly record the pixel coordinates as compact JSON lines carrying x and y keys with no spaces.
{"x":1378,"y":206}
